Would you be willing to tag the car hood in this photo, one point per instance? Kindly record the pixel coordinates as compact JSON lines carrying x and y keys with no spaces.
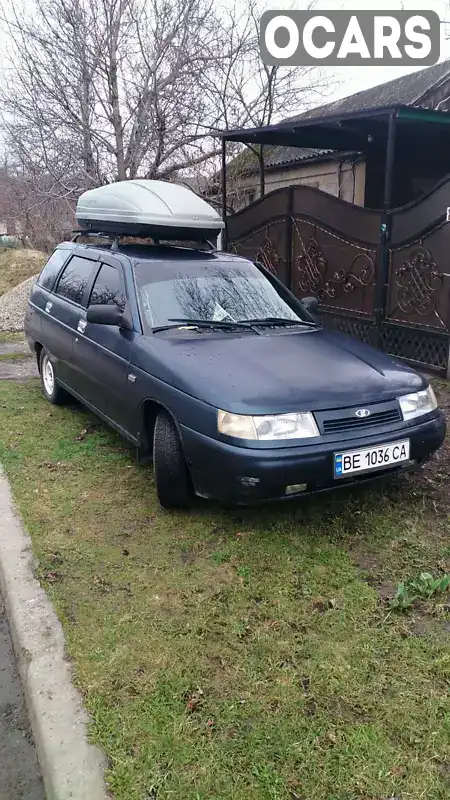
{"x":276,"y":372}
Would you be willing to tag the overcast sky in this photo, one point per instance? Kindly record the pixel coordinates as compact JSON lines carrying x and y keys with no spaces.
{"x":353,"y":80}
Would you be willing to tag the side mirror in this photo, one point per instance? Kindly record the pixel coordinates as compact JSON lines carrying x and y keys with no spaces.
{"x":107,"y":315}
{"x":311,"y":304}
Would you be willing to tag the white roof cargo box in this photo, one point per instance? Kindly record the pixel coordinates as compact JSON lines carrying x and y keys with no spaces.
{"x":142,"y":208}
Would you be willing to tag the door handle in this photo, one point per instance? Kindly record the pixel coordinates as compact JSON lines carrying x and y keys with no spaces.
{"x":48,"y":307}
{"x":81,"y":327}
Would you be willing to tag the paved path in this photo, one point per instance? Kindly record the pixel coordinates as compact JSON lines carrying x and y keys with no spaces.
{"x":19,"y":770}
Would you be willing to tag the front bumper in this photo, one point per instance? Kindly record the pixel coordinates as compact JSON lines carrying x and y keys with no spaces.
{"x":243,"y":475}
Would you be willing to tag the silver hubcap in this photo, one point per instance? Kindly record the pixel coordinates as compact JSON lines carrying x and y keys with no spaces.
{"x":48,"y":375}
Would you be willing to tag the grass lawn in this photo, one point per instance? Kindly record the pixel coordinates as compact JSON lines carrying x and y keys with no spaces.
{"x":14,"y":356}
{"x":17,"y":264}
{"x":239,"y":655}
{"x":12,"y":336}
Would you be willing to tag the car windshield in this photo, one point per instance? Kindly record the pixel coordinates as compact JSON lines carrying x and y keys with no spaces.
{"x":210,"y":290}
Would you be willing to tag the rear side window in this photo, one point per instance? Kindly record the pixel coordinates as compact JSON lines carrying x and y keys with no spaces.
{"x":74,"y":278}
{"x":107,"y":289}
{"x":49,"y":273}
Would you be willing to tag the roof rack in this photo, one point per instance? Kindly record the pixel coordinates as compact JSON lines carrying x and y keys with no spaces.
{"x":118,"y":239}
{"x":115,"y":240}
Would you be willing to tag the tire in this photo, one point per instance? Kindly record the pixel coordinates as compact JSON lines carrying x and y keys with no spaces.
{"x":172,"y":479}
{"x":50,"y":389}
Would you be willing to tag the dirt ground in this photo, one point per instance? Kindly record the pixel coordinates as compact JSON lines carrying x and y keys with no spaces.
{"x":434,"y":477}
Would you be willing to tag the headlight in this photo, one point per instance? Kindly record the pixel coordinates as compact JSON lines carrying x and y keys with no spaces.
{"x":418,"y":403}
{"x":276,"y":426}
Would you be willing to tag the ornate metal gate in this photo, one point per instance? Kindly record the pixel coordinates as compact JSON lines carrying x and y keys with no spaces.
{"x":384,"y":280}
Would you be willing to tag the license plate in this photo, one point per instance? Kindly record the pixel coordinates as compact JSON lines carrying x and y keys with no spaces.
{"x":370,"y":458}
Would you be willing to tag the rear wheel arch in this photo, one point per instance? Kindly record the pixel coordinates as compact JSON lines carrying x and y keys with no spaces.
{"x":38,"y":350}
{"x":51,"y":390}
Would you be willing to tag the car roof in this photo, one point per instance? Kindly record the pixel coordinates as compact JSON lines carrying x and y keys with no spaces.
{"x":151,"y":252}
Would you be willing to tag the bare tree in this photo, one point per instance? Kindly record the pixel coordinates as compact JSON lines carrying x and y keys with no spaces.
{"x":34,"y":214}
{"x":102,"y":90}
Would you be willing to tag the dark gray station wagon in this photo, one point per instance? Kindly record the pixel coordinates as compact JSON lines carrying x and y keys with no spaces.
{"x":210,"y":366}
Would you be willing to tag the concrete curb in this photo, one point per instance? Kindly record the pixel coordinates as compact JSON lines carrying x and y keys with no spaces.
{"x":71,"y":768}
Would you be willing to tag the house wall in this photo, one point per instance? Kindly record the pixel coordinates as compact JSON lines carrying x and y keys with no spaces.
{"x":341,"y":179}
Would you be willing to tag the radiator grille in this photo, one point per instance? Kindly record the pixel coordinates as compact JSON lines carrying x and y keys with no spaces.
{"x":353,"y":423}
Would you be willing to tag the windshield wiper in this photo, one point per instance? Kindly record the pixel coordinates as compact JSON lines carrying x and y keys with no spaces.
{"x":226,"y":325}
{"x":281,"y":321}
{"x":167,"y":328}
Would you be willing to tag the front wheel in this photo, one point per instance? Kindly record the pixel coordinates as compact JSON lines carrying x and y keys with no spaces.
{"x":50,"y":389}
{"x":172,"y":480}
